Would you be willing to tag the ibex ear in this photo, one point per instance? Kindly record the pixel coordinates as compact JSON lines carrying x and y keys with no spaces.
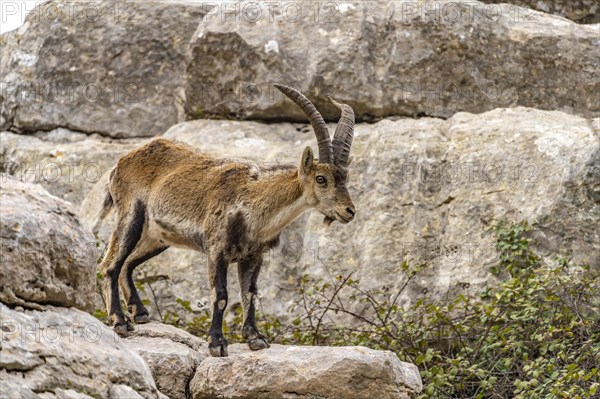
{"x":350,"y":159}
{"x":306,"y":163}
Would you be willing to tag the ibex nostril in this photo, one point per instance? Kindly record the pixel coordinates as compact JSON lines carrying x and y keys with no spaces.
{"x":350,"y":211}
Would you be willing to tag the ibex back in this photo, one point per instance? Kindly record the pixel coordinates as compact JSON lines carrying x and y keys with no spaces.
{"x":169,"y":194}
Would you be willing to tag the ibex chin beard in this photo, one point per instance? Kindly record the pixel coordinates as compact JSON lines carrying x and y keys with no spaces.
{"x":328,"y":220}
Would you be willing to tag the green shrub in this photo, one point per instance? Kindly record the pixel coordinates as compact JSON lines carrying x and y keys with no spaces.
{"x":535,"y":335}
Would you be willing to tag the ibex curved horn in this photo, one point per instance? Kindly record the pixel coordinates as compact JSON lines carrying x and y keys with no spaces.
{"x":316,"y":120}
{"x":344,"y":132}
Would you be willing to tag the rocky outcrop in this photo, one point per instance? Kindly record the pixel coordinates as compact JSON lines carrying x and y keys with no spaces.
{"x":306,"y":372}
{"x":66,"y":353}
{"x":77,"y":77}
{"x":133,"y":69}
{"x":580,"y":11}
{"x":114,"y":68}
{"x":390,"y":58}
{"x":183,"y":369}
{"x":47,"y":257}
{"x":172,"y":355}
{"x":425,"y":190}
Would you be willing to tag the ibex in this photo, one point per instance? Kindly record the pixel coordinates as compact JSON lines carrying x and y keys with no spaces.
{"x":169,"y":194}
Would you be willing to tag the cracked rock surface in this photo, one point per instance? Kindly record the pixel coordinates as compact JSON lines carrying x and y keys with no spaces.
{"x":116,"y":69}
{"x":48,"y":258}
{"x":65,"y":163}
{"x":140,"y":67}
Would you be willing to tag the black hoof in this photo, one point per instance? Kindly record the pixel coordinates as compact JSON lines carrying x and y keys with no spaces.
{"x":218,"y":347}
{"x":218,"y":351}
{"x":141,"y":319}
{"x":258,"y":343}
{"x":122,"y":328}
{"x":121,"y":324}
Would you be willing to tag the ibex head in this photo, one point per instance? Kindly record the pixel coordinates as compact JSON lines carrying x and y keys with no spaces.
{"x":325,"y":179}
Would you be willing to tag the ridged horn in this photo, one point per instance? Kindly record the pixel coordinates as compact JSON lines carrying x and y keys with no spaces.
{"x":344,"y":132}
{"x":316,"y":121}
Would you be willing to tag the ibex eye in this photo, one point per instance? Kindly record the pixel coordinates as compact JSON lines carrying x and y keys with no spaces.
{"x":321,"y":179}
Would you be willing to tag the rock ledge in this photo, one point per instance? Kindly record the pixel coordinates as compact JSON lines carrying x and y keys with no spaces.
{"x":305,"y":372}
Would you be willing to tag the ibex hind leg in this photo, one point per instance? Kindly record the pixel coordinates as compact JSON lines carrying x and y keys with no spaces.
{"x":248,"y":271}
{"x":123,"y":241}
{"x":145,"y":250}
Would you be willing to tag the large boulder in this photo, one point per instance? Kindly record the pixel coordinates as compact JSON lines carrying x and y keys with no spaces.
{"x":66,"y":353}
{"x":111,"y":67}
{"x":47,"y":257}
{"x":389,"y":58}
{"x":286,"y":372}
{"x":425,"y":190}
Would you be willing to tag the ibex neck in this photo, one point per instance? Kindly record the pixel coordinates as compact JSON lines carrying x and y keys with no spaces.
{"x":282,"y":201}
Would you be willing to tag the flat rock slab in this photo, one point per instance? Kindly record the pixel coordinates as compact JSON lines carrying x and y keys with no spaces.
{"x":390,"y":58}
{"x":182,"y":369}
{"x":305,"y":372}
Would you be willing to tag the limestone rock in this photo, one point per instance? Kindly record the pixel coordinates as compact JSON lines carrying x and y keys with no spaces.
{"x":389,"y":58}
{"x":172,"y":355}
{"x":47,"y":257}
{"x":66,"y":353}
{"x":284,"y":372}
{"x":133,"y":69}
{"x":109,"y":67}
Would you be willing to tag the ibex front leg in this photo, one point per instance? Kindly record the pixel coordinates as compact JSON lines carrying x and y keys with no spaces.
{"x":248,"y":271}
{"x":217,"y":273}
